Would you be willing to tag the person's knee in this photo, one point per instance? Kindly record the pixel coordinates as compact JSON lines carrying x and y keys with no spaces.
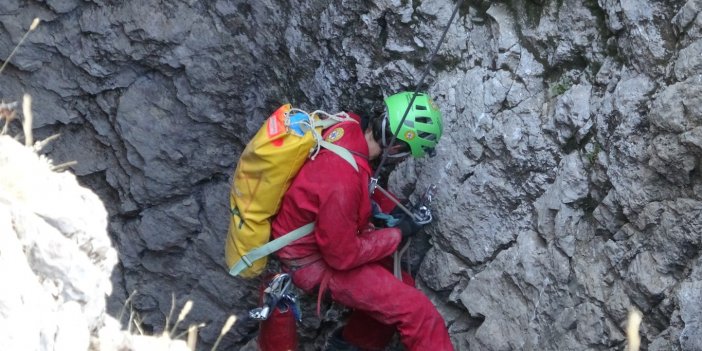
{"x":428,"y":312}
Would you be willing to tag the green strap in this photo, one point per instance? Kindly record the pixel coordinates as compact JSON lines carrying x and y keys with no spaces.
{"x":343,"y":153}
{"x":269,"y":248}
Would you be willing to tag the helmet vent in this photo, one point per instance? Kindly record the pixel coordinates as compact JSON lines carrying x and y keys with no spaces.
{"x":427,"y":136}
{"x":420,"y":107}
{"x":423,"y":119}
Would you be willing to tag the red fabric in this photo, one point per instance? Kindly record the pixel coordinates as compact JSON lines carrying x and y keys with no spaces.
{"x":328,"y":191}
{"x":365,"y":332}
{"x":331,"y":193}
{"x":278,"y":332}
{"x":385,"y":203}
{"x":354,"y":116}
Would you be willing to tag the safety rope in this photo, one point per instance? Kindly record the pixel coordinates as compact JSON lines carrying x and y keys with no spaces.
{"x":376,"y":175}
{"x":397,"y":256}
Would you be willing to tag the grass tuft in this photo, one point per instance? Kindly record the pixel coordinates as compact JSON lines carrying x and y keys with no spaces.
{"x":225,"y":329}
{"x":28,"y":117}
{"x":183,"y":313}
{"x":632,"y":330}
{"x":8,"y":113}
{"x":32,"y":27}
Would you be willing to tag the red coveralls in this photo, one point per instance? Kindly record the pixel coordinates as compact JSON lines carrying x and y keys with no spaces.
{"x":343,"y":254}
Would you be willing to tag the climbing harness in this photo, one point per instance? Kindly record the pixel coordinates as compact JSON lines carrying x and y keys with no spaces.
{"x":277,"y":295}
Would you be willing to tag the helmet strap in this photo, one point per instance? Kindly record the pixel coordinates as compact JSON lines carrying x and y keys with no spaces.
{"x":384,"y":142}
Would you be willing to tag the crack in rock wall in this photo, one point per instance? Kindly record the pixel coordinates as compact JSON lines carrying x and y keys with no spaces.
{"x":570,"y":184}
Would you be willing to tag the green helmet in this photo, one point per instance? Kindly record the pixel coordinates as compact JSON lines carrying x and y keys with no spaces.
{"x":422,"y":127}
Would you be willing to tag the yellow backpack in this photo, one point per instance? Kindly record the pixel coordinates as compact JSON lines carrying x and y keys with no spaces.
{"x":263,"y":174}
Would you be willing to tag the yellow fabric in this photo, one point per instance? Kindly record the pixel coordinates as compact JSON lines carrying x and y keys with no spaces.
{"x":264,"y":172}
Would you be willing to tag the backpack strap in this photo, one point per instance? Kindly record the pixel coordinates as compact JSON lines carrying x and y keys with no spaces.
{"x":269,"y":248}
{"x":314,"y":121}
{"x":340,"y":151}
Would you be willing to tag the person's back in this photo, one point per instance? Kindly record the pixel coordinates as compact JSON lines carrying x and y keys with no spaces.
{"x":329,"y":192}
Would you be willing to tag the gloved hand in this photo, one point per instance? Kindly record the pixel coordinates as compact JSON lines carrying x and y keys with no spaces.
{"x":397,"y":212}
{"x":408,"y":227}
{"x":380,"y":219}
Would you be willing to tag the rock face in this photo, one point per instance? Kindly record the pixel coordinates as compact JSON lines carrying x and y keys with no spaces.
{"x":55,"y":262}
{"x":56,"y":257}
{"x":570,"y":184}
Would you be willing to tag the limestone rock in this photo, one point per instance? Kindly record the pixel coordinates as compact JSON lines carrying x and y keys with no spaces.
{"x":568,"y":173}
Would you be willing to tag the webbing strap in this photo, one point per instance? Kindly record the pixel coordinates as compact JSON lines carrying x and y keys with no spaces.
{"x":343,"y":153}
{"x":326,"y":123}
{"x":269,"y":248}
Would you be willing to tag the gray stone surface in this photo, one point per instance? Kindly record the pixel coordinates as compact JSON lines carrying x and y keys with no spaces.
{"x":569,"y":172}
{"x":689,"y":297}
{"x":55,"y":262}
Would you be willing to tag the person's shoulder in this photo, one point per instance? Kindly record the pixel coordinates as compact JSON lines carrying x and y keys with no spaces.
{"x":355,"y":116}
{"x":341,"y":132}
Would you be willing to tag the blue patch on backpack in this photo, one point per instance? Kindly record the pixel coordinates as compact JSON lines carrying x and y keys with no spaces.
{"x":299,"y":123}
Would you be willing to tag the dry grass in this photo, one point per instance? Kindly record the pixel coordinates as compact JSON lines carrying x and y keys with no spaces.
{"x":169,"y":333}
{"x":632,"y":330}
{"x":32,"y":27}
{"x":8,"y":111}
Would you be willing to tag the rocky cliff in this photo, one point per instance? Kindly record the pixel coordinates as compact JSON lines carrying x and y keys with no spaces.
{"x":56,"y":260}
{"x":570,"y":184}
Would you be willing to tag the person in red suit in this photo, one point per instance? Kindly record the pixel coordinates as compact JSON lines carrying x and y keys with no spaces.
{"x":346,"y":256}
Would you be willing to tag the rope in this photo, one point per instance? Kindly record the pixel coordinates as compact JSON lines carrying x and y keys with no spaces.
{"x":339,"y":116}
{"x":417,"y":85}
{"x":310,"y":123}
